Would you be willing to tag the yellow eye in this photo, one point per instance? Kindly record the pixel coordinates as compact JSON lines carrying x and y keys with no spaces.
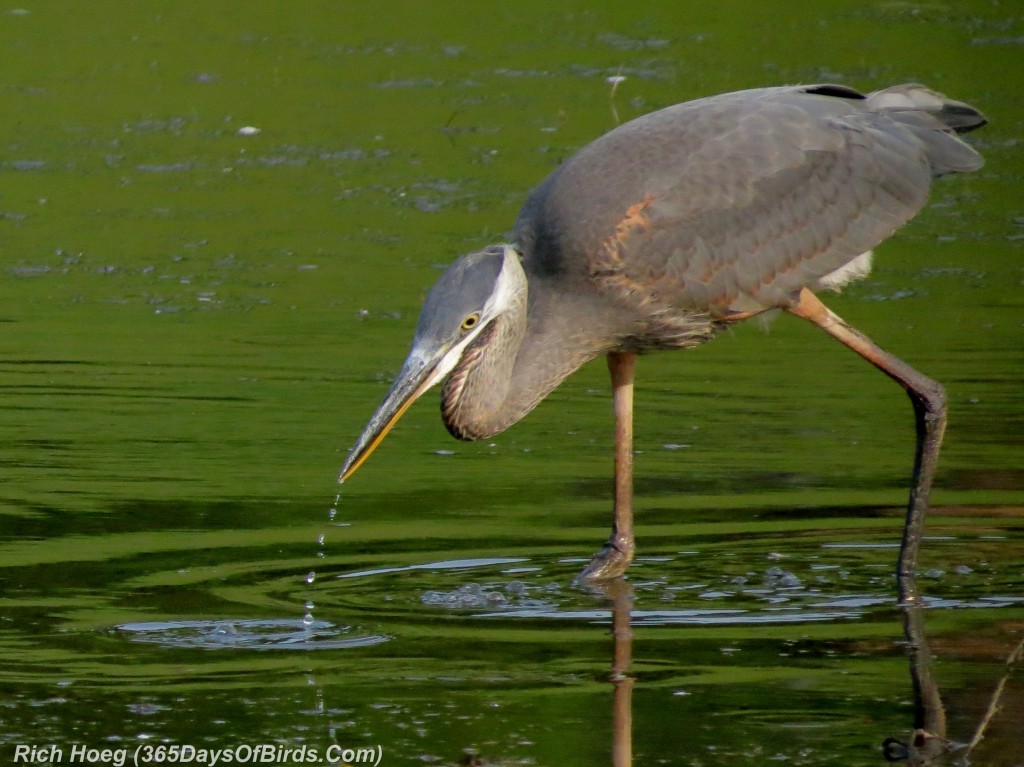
{"x":470,"y":322}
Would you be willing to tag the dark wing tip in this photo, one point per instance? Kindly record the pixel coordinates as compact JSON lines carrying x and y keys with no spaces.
{"x":963,"y":118}
{"x":835,"y":91}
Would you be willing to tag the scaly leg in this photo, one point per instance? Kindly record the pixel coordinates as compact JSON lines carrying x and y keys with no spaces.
{"x":617,"y":553}
{"x":929,"y":400}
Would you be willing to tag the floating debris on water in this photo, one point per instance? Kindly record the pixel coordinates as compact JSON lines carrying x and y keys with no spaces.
{"x":776,"y":577}
{"x":512,"y":595}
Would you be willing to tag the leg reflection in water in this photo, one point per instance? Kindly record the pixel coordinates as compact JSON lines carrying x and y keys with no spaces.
{"x":621,"y":595}
{"x":928,"y":745}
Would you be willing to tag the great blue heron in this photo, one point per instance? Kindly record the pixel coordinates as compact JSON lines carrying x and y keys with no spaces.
{"x":668,"y":229}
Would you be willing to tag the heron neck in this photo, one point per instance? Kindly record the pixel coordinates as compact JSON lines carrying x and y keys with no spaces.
{"x":518,"y":360}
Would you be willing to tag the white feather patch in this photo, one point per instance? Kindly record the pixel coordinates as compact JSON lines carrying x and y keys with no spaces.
{"x":857,"y":269}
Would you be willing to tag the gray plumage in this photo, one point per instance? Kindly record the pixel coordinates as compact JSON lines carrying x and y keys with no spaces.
{"x":731,"y":203}
{"x":658,"y":232}
{"x":668,"y":228}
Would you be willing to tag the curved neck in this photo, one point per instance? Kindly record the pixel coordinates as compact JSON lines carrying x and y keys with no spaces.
{"x":519,"y":358}
{"x":475,"y":395}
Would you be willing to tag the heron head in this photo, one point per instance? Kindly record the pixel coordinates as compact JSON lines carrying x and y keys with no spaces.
{"x":470,"y":294}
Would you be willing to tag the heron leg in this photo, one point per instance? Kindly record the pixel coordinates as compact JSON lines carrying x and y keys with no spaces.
{"x":929,"y":400}
{"x":617,"y":553}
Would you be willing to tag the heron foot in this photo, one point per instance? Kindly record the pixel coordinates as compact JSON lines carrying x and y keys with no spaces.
{"x":611,"y":561}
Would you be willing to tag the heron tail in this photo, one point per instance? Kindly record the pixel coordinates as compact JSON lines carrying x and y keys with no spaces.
{"x":936,"y":121}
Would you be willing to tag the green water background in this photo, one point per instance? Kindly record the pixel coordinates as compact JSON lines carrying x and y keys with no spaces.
{"x":196,"y":319}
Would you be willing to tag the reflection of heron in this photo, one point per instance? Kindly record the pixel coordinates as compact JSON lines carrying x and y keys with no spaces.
{"x":670,"y":228}
{"x":620,"y":594}
{"x":928,"y":744}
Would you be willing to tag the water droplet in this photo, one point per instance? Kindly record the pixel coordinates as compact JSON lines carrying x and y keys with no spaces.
{"x":310,"y":605}
{"x":311,"y":577}
{"x":307,"y":619}
{"x":332,"y":513}
{"x":320,"y":538}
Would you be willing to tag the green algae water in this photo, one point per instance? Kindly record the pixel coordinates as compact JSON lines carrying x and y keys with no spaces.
{"x":217,"y":224}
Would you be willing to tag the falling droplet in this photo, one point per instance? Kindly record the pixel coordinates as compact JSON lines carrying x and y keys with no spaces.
{"x":310,"y":605}
{"x":320,"y":538}
{"x":311,"y":577}
{"x":307,"y":619}
{"x":332,"y":513}
{"x":319,"y":708}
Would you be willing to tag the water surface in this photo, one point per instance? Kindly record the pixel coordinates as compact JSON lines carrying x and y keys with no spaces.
{"x":217,"y":223}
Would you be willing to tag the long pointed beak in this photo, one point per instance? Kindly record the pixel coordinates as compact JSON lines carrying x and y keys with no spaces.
{"x":418,"y":374}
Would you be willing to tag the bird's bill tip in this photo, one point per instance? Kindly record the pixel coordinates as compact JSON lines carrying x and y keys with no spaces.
{"x":352,"y":464}
{"x":416,"y":377}
{"x":380,"y":424}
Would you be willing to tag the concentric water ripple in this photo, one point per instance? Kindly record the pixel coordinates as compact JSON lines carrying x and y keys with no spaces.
{"x":249,"y":634}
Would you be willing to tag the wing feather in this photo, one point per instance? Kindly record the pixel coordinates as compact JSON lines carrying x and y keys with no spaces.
{"x":736,"y":202}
